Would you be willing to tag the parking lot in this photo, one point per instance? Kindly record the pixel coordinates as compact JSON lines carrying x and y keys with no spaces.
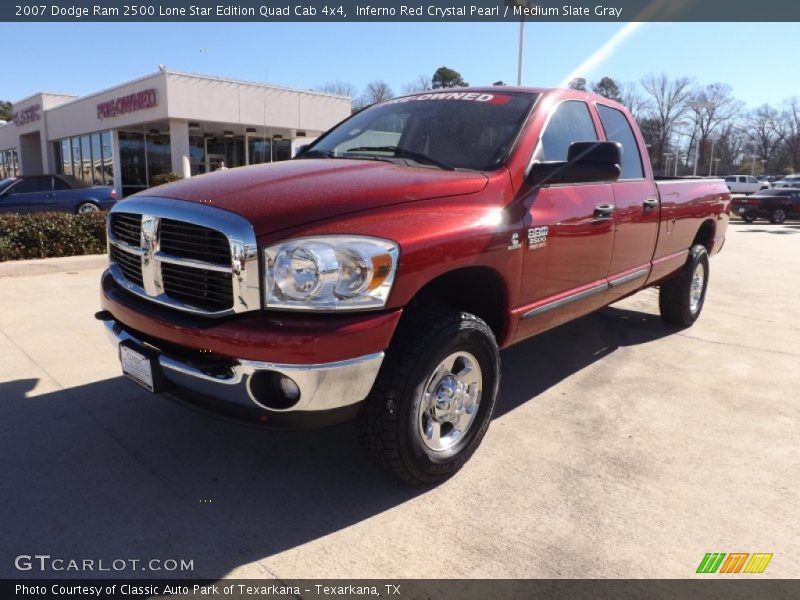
{"x":620,"y":448}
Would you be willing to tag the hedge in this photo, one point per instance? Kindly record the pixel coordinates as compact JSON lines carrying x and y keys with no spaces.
{"x":42,"y":235}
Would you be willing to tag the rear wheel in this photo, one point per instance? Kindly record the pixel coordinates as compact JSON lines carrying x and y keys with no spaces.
{"x":749,"y":217}
{"x":778,"y":216}
{"x":87,"y":208}
{"x":434,"y":398}
{"x":681,"y":298}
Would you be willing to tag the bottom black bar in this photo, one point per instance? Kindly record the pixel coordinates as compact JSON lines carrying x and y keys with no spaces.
{"x":712,"y":588}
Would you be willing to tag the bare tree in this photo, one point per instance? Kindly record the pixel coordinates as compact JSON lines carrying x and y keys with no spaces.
{"x":377,"y":91}
{"x":730,"y":147}
{"x":632,"y":98}
{"x":789,"y":131}
{"x":764,"y":124}
{"x":420,"y":84}
{"x":338,"y":88}
{"x":668,"y":105}
{"x":711,"y":106}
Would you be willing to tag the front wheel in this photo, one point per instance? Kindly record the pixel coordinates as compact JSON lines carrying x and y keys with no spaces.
{"x":434,"y":398}
{"x":778,"y":216}
{"x":681,"y":298}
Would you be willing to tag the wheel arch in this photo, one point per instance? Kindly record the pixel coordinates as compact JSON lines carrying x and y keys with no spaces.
{"x":705,"y":235}
{"x":478,"y":290}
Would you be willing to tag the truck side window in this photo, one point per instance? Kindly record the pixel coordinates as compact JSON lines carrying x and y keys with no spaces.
{"x":571,"y":122}
{"x":730,"y":180}
{"x":619,"y":130}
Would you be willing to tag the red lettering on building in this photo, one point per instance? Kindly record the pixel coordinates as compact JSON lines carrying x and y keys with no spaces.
{"x":29,"y":114}
{"x":127,"y":104}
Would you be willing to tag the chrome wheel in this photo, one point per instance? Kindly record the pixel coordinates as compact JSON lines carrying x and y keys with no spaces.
{"x":450,"y":401}
{"x":778,"y":216}
{"x":696,"y":289}
{"x":87,"y":208}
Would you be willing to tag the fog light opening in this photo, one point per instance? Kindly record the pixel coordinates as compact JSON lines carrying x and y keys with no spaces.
{"x":274,"y":390}
{"x":288,"y":388}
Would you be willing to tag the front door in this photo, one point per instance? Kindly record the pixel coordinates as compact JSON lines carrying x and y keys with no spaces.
{"x":32,"y":194}
{"x":569,"y":233}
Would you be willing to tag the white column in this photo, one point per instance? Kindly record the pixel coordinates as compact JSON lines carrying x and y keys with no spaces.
{"x":179,"y":147}
{"x":116,"y":160}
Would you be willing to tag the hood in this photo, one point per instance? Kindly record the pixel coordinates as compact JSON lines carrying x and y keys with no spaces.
{"x":290,"y":193}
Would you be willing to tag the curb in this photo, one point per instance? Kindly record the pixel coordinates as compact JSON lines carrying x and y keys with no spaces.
{"x":47,"y":266}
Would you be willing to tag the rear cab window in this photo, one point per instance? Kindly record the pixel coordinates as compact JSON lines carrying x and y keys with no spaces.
{"x":618,"y":129}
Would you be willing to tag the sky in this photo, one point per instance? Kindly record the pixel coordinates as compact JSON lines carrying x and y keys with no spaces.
{"x":81,"y":58}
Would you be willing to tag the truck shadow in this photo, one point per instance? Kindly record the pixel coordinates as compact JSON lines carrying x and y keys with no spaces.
{"x":106,"y":471}
{"x":538,"y":364}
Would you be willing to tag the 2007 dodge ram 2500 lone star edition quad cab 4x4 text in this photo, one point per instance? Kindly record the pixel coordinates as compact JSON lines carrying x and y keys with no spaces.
{"x":377,"y":274}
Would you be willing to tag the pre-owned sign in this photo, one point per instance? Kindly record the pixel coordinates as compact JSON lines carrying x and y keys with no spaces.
{"x":127,"y":104}
{"x":27,"y":115}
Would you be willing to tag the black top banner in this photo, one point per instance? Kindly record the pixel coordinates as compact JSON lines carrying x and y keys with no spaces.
{"x":409,"y":11}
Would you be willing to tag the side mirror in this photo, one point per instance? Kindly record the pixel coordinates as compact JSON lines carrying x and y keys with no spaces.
{"x":301,"y":149}
{"x":586,"y":162}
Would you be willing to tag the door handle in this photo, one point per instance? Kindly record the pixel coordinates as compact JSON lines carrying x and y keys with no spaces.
{"x":604,"y":211}
{"x":650,"y":204}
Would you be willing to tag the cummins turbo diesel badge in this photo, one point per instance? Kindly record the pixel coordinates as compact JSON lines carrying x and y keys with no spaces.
{"x":462,"y":96}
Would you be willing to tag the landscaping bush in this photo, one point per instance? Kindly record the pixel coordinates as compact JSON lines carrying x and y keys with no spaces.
{"x":42,"y":235}
{"x":163,"y":178}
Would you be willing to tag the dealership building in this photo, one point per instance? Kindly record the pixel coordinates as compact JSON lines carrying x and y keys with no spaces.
{"x":163,"y":122}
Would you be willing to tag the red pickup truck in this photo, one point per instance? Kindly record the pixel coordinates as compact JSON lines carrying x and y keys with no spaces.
{"x":377,"y":274}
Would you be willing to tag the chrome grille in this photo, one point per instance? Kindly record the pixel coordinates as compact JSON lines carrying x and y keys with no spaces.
{"x":193,"y":241}
{"x":185,"y":255}
{"x":129,"y":264}
{"x":126,"y":227}
{"x":211,"y":290}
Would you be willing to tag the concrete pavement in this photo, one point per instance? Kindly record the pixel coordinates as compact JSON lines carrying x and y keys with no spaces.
{"x":621,"y":448}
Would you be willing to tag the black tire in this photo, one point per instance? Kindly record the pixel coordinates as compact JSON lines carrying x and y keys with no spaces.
{"x":749,"y":217}
{"x":390,"y":423}
{"x":675,"y":296}
{"x":778,"y":216}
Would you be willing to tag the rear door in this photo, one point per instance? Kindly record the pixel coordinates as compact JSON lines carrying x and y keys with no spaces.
{"x":636,"y":215}
{"x":569,"y":232}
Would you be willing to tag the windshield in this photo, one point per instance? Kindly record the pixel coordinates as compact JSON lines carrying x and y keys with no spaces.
{"x":450,"y":130}
{"x":4,"y":183}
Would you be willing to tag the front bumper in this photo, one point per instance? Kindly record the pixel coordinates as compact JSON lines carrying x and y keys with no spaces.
{"x":329,"y":392}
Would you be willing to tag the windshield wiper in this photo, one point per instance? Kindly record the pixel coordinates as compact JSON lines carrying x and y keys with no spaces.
{"x":405,"y":153}
{"x":316,"y":154}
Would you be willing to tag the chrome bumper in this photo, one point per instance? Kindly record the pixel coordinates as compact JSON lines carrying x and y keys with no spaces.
{"x":323,"y":387}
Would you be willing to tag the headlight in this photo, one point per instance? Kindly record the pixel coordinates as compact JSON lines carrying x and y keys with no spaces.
{"x":334,"y":272}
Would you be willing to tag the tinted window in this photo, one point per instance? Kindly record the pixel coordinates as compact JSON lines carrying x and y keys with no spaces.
{"x":58,"y":184}
{"x":619,"y":130}
{"x":33,"y":184}
{"x":730,"y":179}
{"x":570,"y":123}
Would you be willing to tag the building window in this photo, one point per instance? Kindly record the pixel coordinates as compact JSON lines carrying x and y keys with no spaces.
{"x":9,"y":163}
{"x":88,"y":158}
{"x":142,"y":157}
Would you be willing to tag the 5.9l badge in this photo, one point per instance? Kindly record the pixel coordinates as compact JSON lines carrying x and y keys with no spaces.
{"x":537,"y":237}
